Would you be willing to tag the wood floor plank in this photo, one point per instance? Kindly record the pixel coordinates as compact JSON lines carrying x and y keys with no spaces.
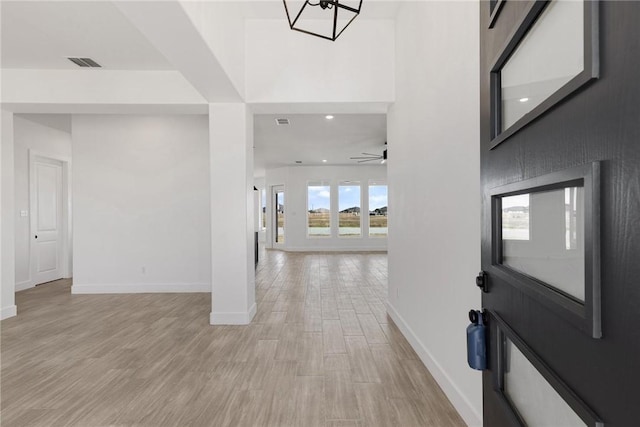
{"x":337,"y":362}
{"x":321,"y":351}
{"x":339,"y":396}
{"x":344,"y":423}
{"x":349,"y":322}
{"x":310,"y":354}
{"x":372,"y":331}
{"x":375,"y":408}
{"x":363,"y":367}
{"x":333,"y":337}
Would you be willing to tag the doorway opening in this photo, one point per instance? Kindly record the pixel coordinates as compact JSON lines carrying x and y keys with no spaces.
{"x":278,"y":216}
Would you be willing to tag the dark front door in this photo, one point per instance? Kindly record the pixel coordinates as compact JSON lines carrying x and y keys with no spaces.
{"x":560,"y":126}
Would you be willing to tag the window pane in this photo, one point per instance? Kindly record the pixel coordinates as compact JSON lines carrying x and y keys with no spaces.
{"x":319,"y":209}
{"x":515,"y":217}
{"x":349,"y":209}
{"x":535,"y":400}
{"x":377,"y":210}
{"x":550,"y":55}
{"x":543,"y":237}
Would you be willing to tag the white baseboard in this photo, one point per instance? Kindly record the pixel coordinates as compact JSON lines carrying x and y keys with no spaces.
{"x":7,"y":312}
{"x":334,"y":249}
{"x":21,"y":286}
{"x":237,"y":318}
{"x":140,"y":288}
{"x":459,"y":401}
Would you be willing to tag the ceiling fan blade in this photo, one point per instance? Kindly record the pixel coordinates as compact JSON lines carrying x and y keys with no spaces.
{"x":368,"y":160}
{"x":369,"y":154}
{"x":363,"y":157}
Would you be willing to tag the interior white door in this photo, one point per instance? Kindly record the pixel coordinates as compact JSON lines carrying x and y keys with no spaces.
{"x":46,"y":220}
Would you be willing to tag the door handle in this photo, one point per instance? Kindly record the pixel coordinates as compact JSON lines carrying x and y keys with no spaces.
{"x":36,"y":236}
{"x":482,"y":281}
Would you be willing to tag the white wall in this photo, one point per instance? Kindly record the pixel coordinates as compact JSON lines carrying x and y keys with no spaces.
{"x":7,"y":236}
{"x":289,"y":66}
{"x":24,"y":86}
{"x":141,"y":204}
{"x":295,"y":180}
{"x":222,"y":28}
{"x":48,"y":135}
{"x":434,"y":190}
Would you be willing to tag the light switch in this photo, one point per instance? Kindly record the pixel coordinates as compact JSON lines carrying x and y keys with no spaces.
{"x":24,"y":213}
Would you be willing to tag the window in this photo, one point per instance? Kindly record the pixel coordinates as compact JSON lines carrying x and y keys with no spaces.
{"x":541,"y":232}
{"x":377,"y":209}
{"x":546,"y":241}
{"x":551,"y":54}
{"x":534,"y":393}
{"x":528,"y":391}
{"x":349,"y":224}
{"x":515,"y":217}
{"x":319,"y":209}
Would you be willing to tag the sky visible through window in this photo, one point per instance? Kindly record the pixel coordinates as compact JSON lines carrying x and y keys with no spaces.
{"x":348,"y":196}
{"x":319,"y":197}
{"x":377,"y":196}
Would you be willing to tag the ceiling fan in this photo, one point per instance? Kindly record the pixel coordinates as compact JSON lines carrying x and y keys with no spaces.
{"x":369,"y":157}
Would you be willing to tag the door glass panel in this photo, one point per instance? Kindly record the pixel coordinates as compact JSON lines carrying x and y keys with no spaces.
{"x":515,"y":217}
{"x":550,"y":55}
{"x":319,"y":209}
{"x":279,"y":215}
{"x":349,"y":209}
{"x":378,"y":203}
{"x":543,"y":237}
{"x":531,"y":395}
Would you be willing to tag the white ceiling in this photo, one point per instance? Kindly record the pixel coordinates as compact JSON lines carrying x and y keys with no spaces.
{"x":274,"y":9}
{"x":41,"y":34}
{"x":312,"y":138}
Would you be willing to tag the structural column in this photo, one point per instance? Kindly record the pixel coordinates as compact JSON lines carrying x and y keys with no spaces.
{"x":232,"y":214}
{"x":7,"y":232}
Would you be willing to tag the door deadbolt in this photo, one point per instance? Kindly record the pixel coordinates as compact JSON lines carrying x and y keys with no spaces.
{"x":482,"y":281}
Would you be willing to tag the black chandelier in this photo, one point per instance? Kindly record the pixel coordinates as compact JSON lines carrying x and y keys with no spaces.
{"x":326,"y":19}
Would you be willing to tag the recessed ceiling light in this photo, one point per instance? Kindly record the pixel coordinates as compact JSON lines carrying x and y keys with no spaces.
{"x":524,"y":99}
{"x":324,"y":161}
{"x":328,"y":117}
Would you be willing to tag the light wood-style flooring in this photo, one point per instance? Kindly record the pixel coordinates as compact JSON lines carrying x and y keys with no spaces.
{"x":321,"y":351}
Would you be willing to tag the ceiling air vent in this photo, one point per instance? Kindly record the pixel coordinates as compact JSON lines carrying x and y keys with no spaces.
{"x":85,"y":62}
{"x":299,"y":162}
{"x":281,"y":122}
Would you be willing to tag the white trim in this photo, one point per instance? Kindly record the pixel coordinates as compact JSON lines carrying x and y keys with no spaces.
{"x":237,"y":318}
{"x":140,"y":288}
{"x":334,"y":249}
{"x":7,"y":312}
{"x":459,"y":400}
{"x":21,"y":286}
{"x":67,"y":221}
